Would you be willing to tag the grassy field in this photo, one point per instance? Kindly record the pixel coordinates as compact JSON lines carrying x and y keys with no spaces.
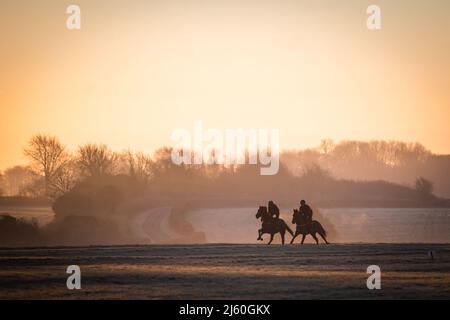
{"x":227,"y":272}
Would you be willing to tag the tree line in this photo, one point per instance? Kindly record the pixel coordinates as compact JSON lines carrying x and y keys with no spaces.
{"x":53,"y":170}
{"x":330,"y":174}
{"x":392,"y":161}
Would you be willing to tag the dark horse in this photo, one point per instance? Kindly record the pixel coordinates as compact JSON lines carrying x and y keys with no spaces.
{"x":271,"y":225}
{"x":304,"y":227}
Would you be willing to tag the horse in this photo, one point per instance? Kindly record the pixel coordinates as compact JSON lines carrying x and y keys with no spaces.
{"x":304,"y":227}
{"x":271,"y":225}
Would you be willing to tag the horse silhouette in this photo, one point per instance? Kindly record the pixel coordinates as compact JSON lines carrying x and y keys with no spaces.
{"x":305,"y":227}
{"x":271,"y":225}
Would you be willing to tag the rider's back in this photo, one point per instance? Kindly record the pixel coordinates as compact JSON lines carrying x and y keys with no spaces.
{"x":307,"y":212}
{"x":274,"y":210}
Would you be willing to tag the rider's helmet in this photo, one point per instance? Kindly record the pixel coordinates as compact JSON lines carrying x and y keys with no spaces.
{"x":303,"y":202}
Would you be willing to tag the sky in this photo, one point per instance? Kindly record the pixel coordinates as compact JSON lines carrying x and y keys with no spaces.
{"x":138,"y":70}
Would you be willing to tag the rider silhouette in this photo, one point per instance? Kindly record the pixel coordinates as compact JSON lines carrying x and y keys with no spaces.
{"x":306,"y":211}
{"x":273,"y":210}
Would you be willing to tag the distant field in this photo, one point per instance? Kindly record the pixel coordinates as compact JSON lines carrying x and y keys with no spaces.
{"x":344,"y":225}
{"x":239,"y":225}
{"x":43,"y":214}
{"x":227,"y":271}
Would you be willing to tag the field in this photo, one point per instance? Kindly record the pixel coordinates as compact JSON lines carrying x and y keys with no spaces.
{"x":233,"y":271}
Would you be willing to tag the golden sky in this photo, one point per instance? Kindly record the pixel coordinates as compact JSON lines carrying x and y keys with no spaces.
{"x":139,"y":69}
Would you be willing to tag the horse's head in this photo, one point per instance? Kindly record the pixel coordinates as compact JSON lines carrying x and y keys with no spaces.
{"x":295,"y":216}
{"x":262,"y":211}
{"x":298,"y":218}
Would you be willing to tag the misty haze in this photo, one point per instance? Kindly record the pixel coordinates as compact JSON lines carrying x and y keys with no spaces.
{"x":115,"y":125}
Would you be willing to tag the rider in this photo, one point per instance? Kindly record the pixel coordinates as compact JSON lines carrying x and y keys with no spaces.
{"x":273,"y":210}
{"x":306,"y":211}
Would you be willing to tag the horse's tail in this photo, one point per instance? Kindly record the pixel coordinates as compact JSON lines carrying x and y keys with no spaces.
{"x":320,"y":229}
{"x":288,"y":229}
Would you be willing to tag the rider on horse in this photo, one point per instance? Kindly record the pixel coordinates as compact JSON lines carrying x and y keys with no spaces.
{"x":306,"y":211}
{"x":273,"y":213}
{"x":273,"y":210}
{"x":271,"y":223}
{"x":302,"y":217}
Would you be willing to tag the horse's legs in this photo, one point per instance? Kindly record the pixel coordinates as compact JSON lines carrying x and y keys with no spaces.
{"x":315,"y":238}
{"x":303,"y":238}
{"x":271,"y":238}
{"x":282,"y":233}
{"x":324,"y":239}
{"x":295,"y":236}
{"x":259,"y":234}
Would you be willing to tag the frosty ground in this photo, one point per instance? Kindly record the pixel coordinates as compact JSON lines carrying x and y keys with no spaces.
{"x":214,"y":271}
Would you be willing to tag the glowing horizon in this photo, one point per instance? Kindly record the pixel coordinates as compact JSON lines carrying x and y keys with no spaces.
{"x":136,"y":71}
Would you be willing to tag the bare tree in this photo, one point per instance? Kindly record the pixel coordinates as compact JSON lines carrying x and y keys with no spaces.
{"x":326,"y":146}
{"x":34,"y":189}
{"x":17,"y":178}
{"x":47,"y":157}
{"x":95,"y":160}
{"x":66,"y":178}
{"x":140,"y":165}
{"x":162,"y":162}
